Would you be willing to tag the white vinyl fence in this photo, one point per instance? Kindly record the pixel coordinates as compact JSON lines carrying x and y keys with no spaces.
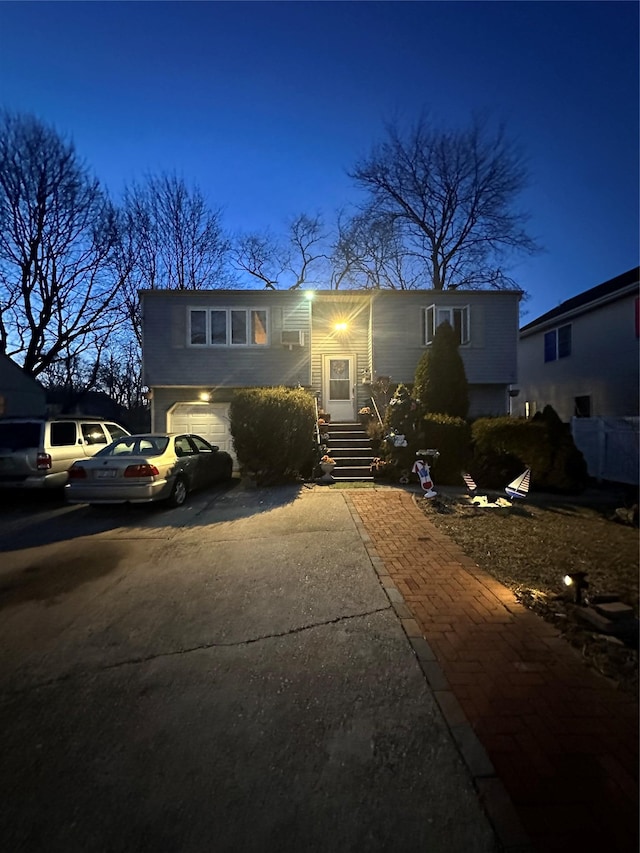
{"x":609,"y":446}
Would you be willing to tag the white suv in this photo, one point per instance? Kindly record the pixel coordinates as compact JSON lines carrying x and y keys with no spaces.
{"x":37,"y":453}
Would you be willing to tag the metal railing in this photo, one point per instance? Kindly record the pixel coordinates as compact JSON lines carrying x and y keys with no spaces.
{"x":315,"y":403}
{"x":377,"y":411}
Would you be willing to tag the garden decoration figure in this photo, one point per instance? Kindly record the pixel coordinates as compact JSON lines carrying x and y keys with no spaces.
{"x":398,"y":440}
{"x":519,"y":488}
{"x":424,"y":474}
{"x":469,"y":483}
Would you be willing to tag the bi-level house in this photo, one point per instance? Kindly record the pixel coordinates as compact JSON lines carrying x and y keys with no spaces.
{"x":200,"y":346}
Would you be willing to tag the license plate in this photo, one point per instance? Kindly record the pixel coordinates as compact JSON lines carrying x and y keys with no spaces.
{"x":105,"y":473}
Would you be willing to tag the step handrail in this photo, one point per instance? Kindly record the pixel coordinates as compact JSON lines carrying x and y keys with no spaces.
{"x":375,"y":406}
{"x":315,"y":403}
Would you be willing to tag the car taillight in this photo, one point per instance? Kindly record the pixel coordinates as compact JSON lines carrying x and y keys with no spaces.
{"x":43,"y":461}
{"x":76,"y":472}
{"x":141,"y":471}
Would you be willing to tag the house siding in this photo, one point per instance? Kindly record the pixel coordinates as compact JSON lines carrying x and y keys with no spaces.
{"x":489,"y":357}
{"x":165,"y":321}
{"x":354,"y":310}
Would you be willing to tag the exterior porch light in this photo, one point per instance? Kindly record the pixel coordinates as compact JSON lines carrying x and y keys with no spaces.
{"x":579,"y":581}
{"x":309,"y":295}
{"x":341,"y":327}
{"x":204,"y":396}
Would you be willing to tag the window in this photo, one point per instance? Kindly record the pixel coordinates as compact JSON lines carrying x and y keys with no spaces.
{"x":582,"y":406}
{"x":458,"y":319}
{"x":93,"y":434}
{"x":63,"y":433}
{"x":116,"y":431}
{"x":557,"y":343}
{"x":198,"y":328}
{"x":218,"y":328}
{"x":201,"y":445}
{"x":221,"y":327}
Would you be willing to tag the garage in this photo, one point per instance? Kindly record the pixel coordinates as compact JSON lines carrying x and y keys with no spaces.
{"x":210,"y":420}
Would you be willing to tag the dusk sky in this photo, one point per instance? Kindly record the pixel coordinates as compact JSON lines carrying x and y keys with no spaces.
{"x":265,"y":106}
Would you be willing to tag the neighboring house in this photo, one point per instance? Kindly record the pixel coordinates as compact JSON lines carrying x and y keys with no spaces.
{"x":20,"y":395}
{"x":199,"y":346}
{"x":582,"y":357}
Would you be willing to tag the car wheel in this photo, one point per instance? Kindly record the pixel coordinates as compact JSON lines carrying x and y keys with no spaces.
{"x":179,"y":492}
{"x":228,"y":470}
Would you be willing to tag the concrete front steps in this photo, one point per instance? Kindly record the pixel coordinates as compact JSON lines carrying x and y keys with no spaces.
{"x":350,"y":446}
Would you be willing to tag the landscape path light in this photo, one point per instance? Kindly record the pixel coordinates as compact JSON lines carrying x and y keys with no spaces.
{"x":579,"y":581}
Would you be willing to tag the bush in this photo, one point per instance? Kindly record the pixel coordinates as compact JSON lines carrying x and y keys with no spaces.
{"x":272,"y":431}
{"x":502,"y":447}
{"x":567,"y":469}
{"x":440,"y":381}
{"x":452,"y":438}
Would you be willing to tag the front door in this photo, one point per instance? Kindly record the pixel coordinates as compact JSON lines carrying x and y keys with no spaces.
{"x":338,"y":387}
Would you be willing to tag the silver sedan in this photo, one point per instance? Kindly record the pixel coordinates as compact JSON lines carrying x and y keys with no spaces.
{"x":144,"y":468}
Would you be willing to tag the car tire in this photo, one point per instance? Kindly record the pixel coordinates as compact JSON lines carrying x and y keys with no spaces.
{"x":228,"y":471}
{"x":178,"y":493}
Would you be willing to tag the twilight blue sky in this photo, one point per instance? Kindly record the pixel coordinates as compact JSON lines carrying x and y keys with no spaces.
{"x":266,"y":105}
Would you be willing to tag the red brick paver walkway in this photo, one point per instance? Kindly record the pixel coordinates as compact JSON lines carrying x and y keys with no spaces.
{"x":559,"y":738}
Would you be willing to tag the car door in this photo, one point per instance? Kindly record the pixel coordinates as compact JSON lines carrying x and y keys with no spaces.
{"x":207,"y":461}
{"x":94,"y":437}
{"x":187,"y":460}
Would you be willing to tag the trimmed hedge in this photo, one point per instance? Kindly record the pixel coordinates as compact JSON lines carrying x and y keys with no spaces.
{"x":272,"y":431}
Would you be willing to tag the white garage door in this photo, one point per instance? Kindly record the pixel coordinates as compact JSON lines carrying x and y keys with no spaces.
{"x":210,"y":420}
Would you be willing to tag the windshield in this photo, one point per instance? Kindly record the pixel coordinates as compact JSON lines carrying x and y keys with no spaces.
{"x":136,"y":445}
{"x":18,"y":436}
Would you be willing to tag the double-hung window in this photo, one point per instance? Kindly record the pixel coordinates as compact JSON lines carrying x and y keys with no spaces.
{"x":457,"y":317}
{"x":222,"y":327}
{"x":557,"y":343}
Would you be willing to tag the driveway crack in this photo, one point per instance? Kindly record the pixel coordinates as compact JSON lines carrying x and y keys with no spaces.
{"x":185,"y":651}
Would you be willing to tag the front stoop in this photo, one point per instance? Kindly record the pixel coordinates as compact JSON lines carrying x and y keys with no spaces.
{"x":351,"y":448}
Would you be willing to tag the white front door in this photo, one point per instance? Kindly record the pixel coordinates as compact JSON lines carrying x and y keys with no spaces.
{"x":338,"y":387}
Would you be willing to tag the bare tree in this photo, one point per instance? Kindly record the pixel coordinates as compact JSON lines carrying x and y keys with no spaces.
{"x":272,"y":261}
{"x":59,"y":282}
{"x":260,"y":256}
{"x":451,"y":194}
{"x":120,"y":376}
{"x":172,"y":240}
{"x":368,"y":252}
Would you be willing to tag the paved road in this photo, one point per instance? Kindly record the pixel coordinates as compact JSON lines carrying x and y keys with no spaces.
{"x":228,"y":676}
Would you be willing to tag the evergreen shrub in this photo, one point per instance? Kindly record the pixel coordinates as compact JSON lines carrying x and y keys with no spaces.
{"x":440,"y":383}
{"x":272,"y":431}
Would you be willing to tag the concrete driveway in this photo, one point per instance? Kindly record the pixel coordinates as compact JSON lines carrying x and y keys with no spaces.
{"x":228,"y":676}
